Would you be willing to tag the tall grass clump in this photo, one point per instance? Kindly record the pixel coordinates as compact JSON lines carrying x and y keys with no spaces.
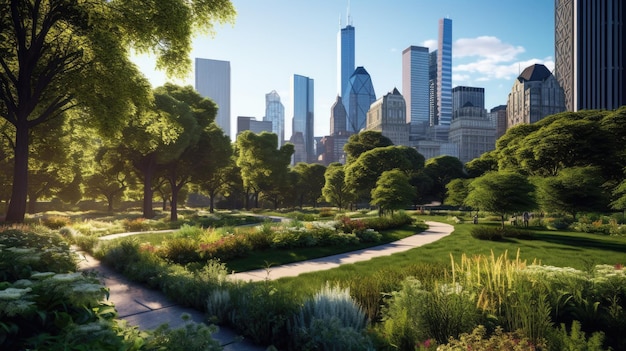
{"x":331,"y":320}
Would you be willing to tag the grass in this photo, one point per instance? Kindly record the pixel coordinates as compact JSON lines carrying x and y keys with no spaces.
{"x":563,"y":249}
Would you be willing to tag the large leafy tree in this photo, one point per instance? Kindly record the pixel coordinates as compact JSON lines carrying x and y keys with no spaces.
{"x":310,"y":182}
{"x":362,"y":142}
{"x":335,"y":189}
{"x":573,"y":190}
{"x":110,"y":176}
{"x":264,"y":166}
{"x":442,"y":170}
{"x":56,"y":55}
{"x":392,"y":192}
{"x":501,"y":193}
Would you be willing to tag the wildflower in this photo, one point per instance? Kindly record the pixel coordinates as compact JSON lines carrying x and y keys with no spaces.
{"x":67,"y":277}
{"x":13,"y":293}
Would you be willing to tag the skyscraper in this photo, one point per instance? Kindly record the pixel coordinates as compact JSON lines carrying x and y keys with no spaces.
{"x":337,"y":117}
{"x":388,"y":116}
{"x":213,"y":81}
{"x":433,"y":114}
{"x":345,"y":56}
{"x":275,"y":113}
{"x":303,"y":113}
{"x":415,"y":83}
{"x":590,"y":59}
{"x":463,"y":96}
{"x":444,"y":72}
{"x":535,"y":94}
{"x":359,"y":95}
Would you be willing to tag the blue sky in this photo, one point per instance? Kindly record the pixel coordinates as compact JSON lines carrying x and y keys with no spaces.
{"x":273,"y":39}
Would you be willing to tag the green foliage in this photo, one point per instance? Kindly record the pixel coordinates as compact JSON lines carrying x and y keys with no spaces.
{"x":261,"y":312}
{"x":497,"y":234}
{"x":393,"y":191}
{"x":180,"y":250}
{"x":55,"y":222}
{"x":191,"y":337}
{"x":226,"y":248}
{"x":442,"y":170}
{"x":499,"y":340}
{"x":330,"y":320}
{"x":136,"y":225}
{"x":335,"y":190}
{"x":364,"y":141}
{"x":576,"y":339}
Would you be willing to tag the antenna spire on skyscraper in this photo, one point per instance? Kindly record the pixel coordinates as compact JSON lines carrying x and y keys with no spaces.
{"x":348,"y":19}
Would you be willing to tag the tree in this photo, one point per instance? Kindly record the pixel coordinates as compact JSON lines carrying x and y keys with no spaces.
{"x":110,"y":176}
{"x":501,"y":193}
{"x":310,"y":182}
{"x":573,"y":190}
{"x":335,"y":189}
{"x":442,"y":170}
{"x":457,"y":190}
{"x":487,"y":162}
{"x":362,"y":174}
{"x":362,"y":142}
{"x":619,"y":194}
{"x":393,"y":191}
{"x":264,"y":167}
{"x":56,"y":55}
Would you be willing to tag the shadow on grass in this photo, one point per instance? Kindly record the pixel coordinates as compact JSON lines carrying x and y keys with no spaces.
{"x":586,"y":243}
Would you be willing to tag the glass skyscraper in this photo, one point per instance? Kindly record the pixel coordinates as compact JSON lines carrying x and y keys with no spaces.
{"x":360,"y":95}
{"x":444,"y":72}
{"x":590,"y":60}
{"x":303,"y":112}
{"x":213,"y":81}
{"x":415,"y":83}
{"x":345,"y":57}
{"x":275,"y":113}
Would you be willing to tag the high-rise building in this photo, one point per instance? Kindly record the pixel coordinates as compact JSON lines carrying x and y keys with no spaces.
{"x":433,"y":114}
{"x":303,"y":114}
{"x":251,"y":124}
{"x":498,"y":118}
{"x":590,"y":59}
{"x":345,"y":56}
{"x":415,"y":83}
{"x":275,"y":113}
{"x":472,"y":132}
{"x":359,"y":95}
{"x":535,"y":94}
{"x":463,"y":96}
{"x":388,"y":116}
{"x":213,"y":81}
{"x":337,"y":117}
{"x":444,"y":72}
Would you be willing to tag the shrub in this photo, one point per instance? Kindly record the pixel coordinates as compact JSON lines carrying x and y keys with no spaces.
{"x":228,"y":247}
{"x":191,"y":287}
{"x":499,"y":340}
{"x":326,"y":212}
{"x":191,"y":337}
{"x":136,"y":225}
{"x":55,"y":222}
{"x":180,"y":250}
{"x":575,"y":339}
{"x":261,"y":237}
{"x":487,"y":233}
{"x":188,"y":231}
{"x":557,"y":223}
{"x":331,"y":320}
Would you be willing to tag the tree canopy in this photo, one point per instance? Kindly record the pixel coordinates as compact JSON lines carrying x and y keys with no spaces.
{"x":56,"y":55}
{"x":392,"y":192}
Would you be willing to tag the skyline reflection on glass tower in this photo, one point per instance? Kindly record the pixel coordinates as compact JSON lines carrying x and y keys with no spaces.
{"x":212,"y":80}
{"x":303,"y":111}
{"x":360,"y":95}
{"x":444,"y":72}
{"x":415,"y":83}
{"x":275,"y":113}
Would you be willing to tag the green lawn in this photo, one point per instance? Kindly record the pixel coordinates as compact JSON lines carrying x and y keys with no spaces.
{"x":563,"y":249}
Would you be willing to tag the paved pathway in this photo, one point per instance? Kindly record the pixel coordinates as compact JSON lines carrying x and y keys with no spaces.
{"x":148,"y":308}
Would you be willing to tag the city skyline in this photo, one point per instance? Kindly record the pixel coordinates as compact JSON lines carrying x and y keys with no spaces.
{"x":267,"y":45}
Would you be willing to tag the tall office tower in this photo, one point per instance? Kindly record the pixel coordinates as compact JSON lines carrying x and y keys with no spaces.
{"x":345,"y":56}
{"x":535,"y":94}
{"x":590,"y":59}
{"x":463,"y":96}
{"x":359,"y":96}
{"x":213,"y":81}
{"x":498,"y":118}
{"x":444,"y":72}
{"x":388,"y":116}
{"x":337,"y":117}
{"x":275,"y":113}
{"x":303,"y":114}
{"x":432,"y":88}
{"x":250,"y":123}
{"x":415,"y":84}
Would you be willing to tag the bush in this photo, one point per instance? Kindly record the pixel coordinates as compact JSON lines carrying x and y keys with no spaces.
{"x":188,"y":231}
{"x":330,"y":321}
{"x":557,"y":223}
{"x":180,"y":250}
{"x":228,"y":247}
{"x":499,"y":340}
{"x":56,"y":222}
{"x":487,"y":233}
{"x":576,"y":339}
{"x":136,"y":225}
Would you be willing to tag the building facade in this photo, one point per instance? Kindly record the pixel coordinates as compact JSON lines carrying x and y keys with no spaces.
{"x":415,"y":83}
{"x":463,"y":96}
{"x":212,"y":79}
{"x":388,"y":116}
{"x":498,"y":118}
{"x":590,"y":59}
{"x":338,"y":117}
{"x":251,"y":124}
{"x":358,"y":97}
{"x":444,"y":72}
{"x":275,"y":114}
{"x":302,"y":89}
{"x":345,"y":57}
{"x":433,"y":114}
{"x":535,"y":94}
{"x":471,"y":129}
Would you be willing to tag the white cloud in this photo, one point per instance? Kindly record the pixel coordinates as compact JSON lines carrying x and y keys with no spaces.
{"x":487,"y":47}
{"x":431,"y":44}
{"x":458,"y":78}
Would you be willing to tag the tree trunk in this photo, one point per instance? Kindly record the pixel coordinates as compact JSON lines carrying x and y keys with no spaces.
{"x":32,"y":202}
{"x":148,"y":170}
{"x":174,"y":203}
{"x":17,"y":206}
{"x":211,"y":201}
{"x":110,"y":203}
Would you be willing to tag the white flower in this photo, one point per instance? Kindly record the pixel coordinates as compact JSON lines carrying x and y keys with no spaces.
{"x":13,"y":293}
{"x":67,"y":277}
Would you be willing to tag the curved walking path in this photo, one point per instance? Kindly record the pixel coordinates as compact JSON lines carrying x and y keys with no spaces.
{"x":435,"y":231}
{"x":147,"y":308}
